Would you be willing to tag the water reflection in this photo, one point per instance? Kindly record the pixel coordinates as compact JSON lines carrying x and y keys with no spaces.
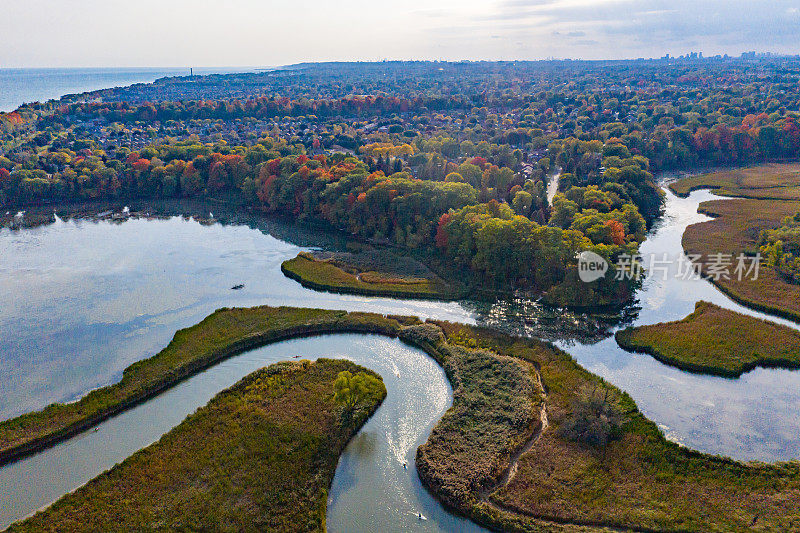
{"x":81,"y":299}
{"x":527,"y":317}
{"x":750,"y":418}
{"x":372,"y":491}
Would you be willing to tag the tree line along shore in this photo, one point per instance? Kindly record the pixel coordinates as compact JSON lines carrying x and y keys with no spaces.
{"x":448,"y":159}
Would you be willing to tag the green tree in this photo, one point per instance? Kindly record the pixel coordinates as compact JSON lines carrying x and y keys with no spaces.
{"x":351,"y":390}
{"x":522,"y":203}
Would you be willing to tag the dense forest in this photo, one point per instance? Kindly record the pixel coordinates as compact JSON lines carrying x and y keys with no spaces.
{"x":448,"y":160}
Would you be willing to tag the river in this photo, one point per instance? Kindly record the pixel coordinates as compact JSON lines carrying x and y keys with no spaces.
{"x":371,"y":485}
{"x":83,"y":299}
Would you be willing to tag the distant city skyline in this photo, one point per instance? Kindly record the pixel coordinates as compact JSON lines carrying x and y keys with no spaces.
{"x":172,"y":33}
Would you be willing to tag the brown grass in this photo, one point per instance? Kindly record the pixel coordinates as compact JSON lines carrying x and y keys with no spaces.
{"x":259,"y":457}
{"x":735,"y":230}
{"x":224,"y":333}
{"x":333,"y":276}
{"x":640,"y":481}
{"x":717,"y":341}
{"x":773,"y":181}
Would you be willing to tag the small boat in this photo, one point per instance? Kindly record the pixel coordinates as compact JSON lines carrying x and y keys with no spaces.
{"x":237,"y":287}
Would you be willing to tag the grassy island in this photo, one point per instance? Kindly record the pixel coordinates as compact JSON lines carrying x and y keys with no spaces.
{"x":260,"y":456}
{"x":716,"y":341}
{"x":532,"y":442}
{"x":369,"y":275}
{"x":766,"y":196}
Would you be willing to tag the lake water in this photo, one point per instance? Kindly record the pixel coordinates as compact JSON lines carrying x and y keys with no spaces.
{"x":80,"y":300}
{"x":25,"y":85}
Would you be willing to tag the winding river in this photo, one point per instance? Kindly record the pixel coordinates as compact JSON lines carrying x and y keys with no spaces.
{"x":80,"y":300}
{"x":371,"y":486}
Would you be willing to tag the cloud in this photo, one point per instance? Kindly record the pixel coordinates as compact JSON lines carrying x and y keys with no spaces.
{"x":570,"y":34}
{"x":620,"y":28}
{"x":253,"y":32}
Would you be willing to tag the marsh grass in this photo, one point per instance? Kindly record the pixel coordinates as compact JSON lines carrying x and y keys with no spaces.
{"x":767,"y":194}
{"x":736,"y":229}
{"x":222,"y":334}
{"x":717,"y":341}
{"x":260,"y":456}
{"x":772,"y":181}
{"x":369,"y":275}
{"x":639,"y":480}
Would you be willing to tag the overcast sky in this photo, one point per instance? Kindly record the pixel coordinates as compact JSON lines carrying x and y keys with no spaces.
{"x":39,"y":33}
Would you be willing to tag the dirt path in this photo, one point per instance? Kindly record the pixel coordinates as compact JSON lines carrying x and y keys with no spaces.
{"x":513,"y":463}
{"x":510,"y":472}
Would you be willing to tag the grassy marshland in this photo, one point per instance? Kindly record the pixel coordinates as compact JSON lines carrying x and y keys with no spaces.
{"x":773,"y":181}
{"x":639,"y":481}
{"x":767,"y":194}
{"x":514,"y":397}
{"x":716,"y":341}
{"x":351,"y":273}
{"x":259,"y":457}
{"x":224,"y":333}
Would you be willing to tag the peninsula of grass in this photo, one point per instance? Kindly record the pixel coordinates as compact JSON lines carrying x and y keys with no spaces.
{"x":768,"y":182}
{"x":369,"y":274}
{"x":224,"y":333}
{"x":716,"y":341}
{"x":501,"y":455}
{"x":260,"y":456}
{"x":640,"y":481}
{"x":736,"y":228}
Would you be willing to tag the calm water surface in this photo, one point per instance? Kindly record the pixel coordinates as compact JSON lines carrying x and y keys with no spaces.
{"x":372,"y":491}
{"x":754,"y":417}
{"x":25,"y":85}
{"x":81,"y":300}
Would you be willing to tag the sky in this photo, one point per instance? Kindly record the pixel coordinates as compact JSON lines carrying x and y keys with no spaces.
{"x":173,"y":33}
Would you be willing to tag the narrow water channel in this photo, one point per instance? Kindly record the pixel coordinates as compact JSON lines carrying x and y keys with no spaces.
{"x":754,"y":417}
{"x":372,"y":490}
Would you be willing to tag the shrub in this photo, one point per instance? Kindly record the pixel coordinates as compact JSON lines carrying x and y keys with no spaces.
{"x":596,"y":417}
